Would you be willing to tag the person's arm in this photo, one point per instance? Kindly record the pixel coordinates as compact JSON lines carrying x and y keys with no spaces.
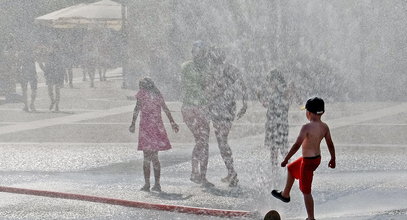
{"x":184,"y":81}
{"x":295,"y":146}
{"x":243,"y":90}
{"x":244,"y":96}
{"x":136,"y":110}
{"x":174,"y":125}
{"x":331,"y":148}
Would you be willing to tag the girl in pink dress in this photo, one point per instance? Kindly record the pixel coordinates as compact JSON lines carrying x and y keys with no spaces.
{"x":152,"y":135}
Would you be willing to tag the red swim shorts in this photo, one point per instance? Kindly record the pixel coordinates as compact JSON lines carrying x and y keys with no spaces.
{"x":303,"y":169}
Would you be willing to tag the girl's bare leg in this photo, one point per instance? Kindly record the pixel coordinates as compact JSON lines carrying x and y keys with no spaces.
{"x":146,"y":170}
{"x":156,"y":167}
{"x":157,"y":171}
{"x":51,"y":95}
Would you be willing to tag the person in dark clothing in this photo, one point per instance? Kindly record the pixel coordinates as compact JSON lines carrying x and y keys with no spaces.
{"x":27,"y":74}
{"x":68,"y":59}
{"x":54,"y":72}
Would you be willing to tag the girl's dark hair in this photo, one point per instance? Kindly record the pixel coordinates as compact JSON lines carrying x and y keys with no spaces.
{"x":149,"y":85}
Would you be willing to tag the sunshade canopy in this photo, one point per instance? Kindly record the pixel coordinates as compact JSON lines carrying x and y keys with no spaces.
{"x":102,"y":14}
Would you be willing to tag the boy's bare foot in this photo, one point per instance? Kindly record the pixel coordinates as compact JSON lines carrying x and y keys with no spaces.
{"x":278,"y":195}
{"x":145,"y":188}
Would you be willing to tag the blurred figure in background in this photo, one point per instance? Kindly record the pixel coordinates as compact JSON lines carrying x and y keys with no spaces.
{"x":194,"y":110}
{"x":68,"y":59}
{"x":91,"y":60}
{"x":8,"y":73}
{"x":27,"y":74}
{"x":276,"y":95}
{"x":224,"y":84}
{"x":54,"y":73}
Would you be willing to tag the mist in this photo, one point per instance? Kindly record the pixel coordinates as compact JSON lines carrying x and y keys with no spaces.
{"x":73,"y":136}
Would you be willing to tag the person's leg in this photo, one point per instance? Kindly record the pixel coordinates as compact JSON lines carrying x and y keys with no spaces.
{"x":309,"y":205}
{"x":308,"y":166}
{"x":282,"y":136}
{"x":274,"y":143}
{"x":293,"y":172}
{"x":222,"y":129}
{"x":84,"y":73}
{"x":288,"y":185}
{"x":269,"y":142}
{"x":70,"y":77}
{"x":100,"y":74}
{"x":25,"y":96}
{"x":157,"y":171}
{"x":57,"y":96}
{"x":33,"y":86}
{"x":104,"y":70}
{"x":203,"y":130}
{"x":51,"y":95}
{"x":146,"y":170}
{"x":91,"y":72}
{"x":191,"y":120}
{"x":66,"y":76}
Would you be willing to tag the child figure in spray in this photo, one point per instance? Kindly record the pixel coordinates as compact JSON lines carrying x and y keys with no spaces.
{"x":152,"y":135}
{"x":303,"y":168}
{"x":275,"y":95}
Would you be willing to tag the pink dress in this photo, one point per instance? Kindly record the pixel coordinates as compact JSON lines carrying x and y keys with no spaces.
{"x":152,"y":134}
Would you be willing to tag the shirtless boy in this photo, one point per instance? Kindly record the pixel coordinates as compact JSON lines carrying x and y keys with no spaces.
{"x":303,"y":168}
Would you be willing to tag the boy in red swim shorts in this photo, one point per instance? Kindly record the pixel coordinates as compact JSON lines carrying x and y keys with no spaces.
{"x":303,"y":168}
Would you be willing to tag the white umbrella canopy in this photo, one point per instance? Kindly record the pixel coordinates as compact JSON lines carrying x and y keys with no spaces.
{"x":102,"y":14}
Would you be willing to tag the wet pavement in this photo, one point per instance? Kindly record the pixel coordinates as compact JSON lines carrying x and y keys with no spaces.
{"x":87,"y":149}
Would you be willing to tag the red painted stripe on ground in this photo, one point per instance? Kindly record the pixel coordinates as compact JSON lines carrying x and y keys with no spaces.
{"x":128,"y":203}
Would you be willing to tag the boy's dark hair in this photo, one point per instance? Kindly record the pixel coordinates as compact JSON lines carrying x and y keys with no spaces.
{"x":315,"y":105}
{"x":272,"y":215}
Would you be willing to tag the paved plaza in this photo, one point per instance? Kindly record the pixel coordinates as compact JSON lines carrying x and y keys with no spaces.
{"x":86,"y":149}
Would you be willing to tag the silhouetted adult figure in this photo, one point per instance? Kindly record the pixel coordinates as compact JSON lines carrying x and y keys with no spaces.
{"x":54,"y":72}
{"x":27,"y":74}
{"x":223,"y":86}
{"x":194,"y":110}
{"x":68,"y":61}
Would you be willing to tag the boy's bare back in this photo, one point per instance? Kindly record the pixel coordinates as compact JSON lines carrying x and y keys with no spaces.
{"x":313,"y":134}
